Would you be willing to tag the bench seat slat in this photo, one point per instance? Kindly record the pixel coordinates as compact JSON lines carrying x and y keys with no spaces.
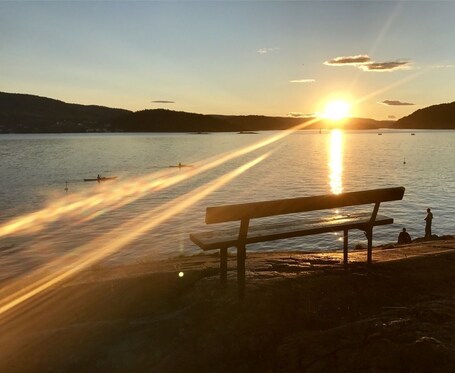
{"x":294,"y":228}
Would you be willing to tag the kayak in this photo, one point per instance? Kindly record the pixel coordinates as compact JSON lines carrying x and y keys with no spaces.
{"x":102,"y":178}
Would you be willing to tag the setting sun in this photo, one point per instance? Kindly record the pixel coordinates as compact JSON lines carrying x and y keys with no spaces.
{"x":336,"y":110}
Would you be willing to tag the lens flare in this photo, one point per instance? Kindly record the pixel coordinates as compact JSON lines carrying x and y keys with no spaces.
{"x":111,"y":242}
{"x":84,"y":207}
{"x":87,"y":207}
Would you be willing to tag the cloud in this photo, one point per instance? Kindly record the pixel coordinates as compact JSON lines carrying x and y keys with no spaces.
{"x":395,"y":103}
{"x":360,"y":59}
{"x":365,"y":63}
{"x":163,"y":102}
{"x":301,"y":115}
{"x":266,"y":50}
{"x":302,"y":81}
{"x":448,"y":66}
{"x":385,"y":66}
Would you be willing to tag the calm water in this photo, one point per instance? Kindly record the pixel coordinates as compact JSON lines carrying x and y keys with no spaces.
{"x":34,"y":169}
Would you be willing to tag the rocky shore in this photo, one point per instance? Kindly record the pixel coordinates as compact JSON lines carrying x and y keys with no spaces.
{"x":302,"y":312}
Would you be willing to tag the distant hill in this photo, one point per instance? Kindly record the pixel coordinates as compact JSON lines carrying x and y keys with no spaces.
{"x":433,"y":117}
{"x":22,"y":113}
{"x":28,"y":113}
{"x":161,"y":120}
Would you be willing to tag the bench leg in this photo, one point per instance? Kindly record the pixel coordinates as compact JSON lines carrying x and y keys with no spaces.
{"x":241,"y":255}
{"x":345,"y":248}
{"x":369,"y":234}
{"x":223,"y":265}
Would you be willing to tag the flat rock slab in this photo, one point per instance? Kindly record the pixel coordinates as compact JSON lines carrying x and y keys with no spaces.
{"x":302,"y":312}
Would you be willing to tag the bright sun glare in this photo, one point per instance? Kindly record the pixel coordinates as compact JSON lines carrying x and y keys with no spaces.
{"x":336,"y":110}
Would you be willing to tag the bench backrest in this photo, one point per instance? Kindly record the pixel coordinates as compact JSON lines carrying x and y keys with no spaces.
{"x":226,"y":213}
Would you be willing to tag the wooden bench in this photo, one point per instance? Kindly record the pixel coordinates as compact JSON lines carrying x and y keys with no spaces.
{"x":239,"y":237}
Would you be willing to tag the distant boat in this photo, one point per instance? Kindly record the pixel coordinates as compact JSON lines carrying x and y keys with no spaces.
{"x":380,"y":134}
{"x":180,"y":165}
{"x":412,"y":134}
{"x":247,"y":133}
{"x":102,"y":178}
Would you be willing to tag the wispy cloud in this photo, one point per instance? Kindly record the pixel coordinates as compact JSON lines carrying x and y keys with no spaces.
{"x":359,"y":59}
{"x":266,"y":50}
{"x":163,"y":102}
{"x":446,"y":66}
{"x":301,"y":115}
{"x":302,"y":81}
{"x":365,"y":63}
{"x":385,"y":66}
{"x":395,"y":103}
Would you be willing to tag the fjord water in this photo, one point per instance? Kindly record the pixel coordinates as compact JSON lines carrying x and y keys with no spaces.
{"x":34,"y":169}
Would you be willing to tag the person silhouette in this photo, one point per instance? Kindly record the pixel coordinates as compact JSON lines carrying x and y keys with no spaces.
{"x":404,"y":237}
{"x":428,"y":219}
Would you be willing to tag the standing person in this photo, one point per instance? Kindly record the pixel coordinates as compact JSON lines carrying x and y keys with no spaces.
{"x":428,"y":219}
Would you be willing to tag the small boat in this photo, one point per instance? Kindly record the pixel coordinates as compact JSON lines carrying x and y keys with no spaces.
{"x":380,"y":134}
{"x":102,"y":178}
{"x":413,"y":134}
{"x":182,"y":165}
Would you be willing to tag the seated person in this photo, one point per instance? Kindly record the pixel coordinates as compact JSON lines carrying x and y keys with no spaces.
{"x":404,"y":237}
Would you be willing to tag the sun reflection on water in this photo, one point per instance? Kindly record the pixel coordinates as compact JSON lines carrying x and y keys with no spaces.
{"x":335,"y":148}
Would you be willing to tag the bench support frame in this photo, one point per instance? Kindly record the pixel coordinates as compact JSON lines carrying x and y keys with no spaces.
{"x":241,"y":255}
{"x":245,"y":212}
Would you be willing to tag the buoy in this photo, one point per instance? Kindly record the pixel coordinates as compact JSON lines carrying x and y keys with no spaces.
{"x":404,"y":160}
{"x":66,"y":186}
